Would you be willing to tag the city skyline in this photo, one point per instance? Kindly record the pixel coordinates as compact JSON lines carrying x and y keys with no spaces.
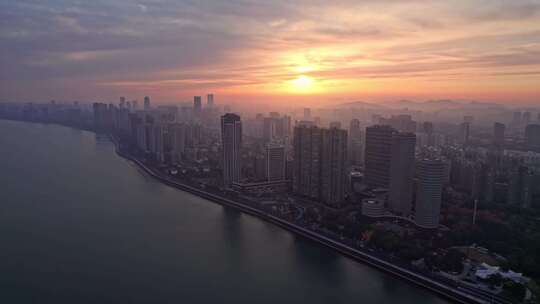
{"x":422,"y":192}
{"x":373,"y":151}
{"x":312,"y":53}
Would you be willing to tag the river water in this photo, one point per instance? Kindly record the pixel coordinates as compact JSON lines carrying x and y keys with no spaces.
{"x":79,"y":224}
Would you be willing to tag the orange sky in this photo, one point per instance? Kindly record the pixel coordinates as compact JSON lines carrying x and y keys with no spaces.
{"x":311,"y":52}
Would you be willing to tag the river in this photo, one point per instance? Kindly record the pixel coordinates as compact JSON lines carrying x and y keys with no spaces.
{"x":79,"y":224}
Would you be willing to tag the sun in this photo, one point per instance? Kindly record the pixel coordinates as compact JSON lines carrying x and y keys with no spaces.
{"x":302,"y":83}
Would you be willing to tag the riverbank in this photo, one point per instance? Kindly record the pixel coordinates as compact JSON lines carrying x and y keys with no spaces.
{"x":454,"y":294}
{"x":445,"y":290}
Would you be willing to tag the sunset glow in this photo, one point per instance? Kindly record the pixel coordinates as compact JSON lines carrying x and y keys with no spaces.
{"x":302,"y":84}
{"x":354,"y":50}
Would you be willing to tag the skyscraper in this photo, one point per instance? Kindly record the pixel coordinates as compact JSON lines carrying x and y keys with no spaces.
{"x":286,"y":126}
{"x":516,"y":120}
{"x":430,"y":174}
{"x":210,"y":100}
{"x":354,"y":130}
{"x":335,"y":124}
{"x":269,"y":129}
{"x":464,"y":132}
{"x":231,"y":140}
{"x":178,"y":138}
{"x":378,"y":155}
{"x":319,"y":168}
{"x":526,"y":118}
{"x":307,"y":160}
{"x":520,"y":187}
{"x":275,"y":162}
{"x":307,"y":114}
{"x":428,"y":127}
{"x":429,"y":136}
{"x":498,"y":133}
{"x":157,"y":143}
{"x":355,"y":142}
{"x":333,"y":166}
{"x":402,"y":173}
{"x":146,"y":103}
{"x":197,"y":104}
{"x":532,"y":136}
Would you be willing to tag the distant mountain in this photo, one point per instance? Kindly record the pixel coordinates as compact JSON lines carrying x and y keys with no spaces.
{"x":426,"y":106}
{"x":361,"y":105}
{"x":477,"y":104}
{"x":441,"y":104}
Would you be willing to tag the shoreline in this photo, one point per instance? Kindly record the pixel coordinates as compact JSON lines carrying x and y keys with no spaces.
{"x":455,"y":294}
{"x":411,"y":277}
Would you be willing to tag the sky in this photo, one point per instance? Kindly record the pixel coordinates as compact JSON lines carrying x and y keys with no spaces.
{"x":260,"y":51}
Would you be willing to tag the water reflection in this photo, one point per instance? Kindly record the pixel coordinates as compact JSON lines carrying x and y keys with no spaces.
{"x":118,"y":237}
{"x":318,"y":260}
{"x":232,"y":233}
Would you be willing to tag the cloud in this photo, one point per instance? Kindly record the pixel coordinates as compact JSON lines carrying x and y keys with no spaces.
{"x":239,"y":43}
{"x":507,"y":10}
{"x":142,"y":7}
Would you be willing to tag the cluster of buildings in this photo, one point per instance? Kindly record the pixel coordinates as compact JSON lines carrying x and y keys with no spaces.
{"x":318,"y":161}
{"x":390,"y":166}
{"x":167,"y":134}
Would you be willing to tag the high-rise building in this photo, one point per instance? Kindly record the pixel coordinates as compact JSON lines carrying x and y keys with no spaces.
{"x":307,"y":114}
{"x":260,"y":167}
{"x":142,"y":142}
{"x":403,"y":123}
{"x":430,"y":174}
{"x":319,"y":168}
{"x":210,"y":100}
{"x":378,"y":155}
{"x":520,"y":187}
{"x":532,"y":136}
{"x":158,"y":142}
{"x":231,"y":141}
{"x":333,"y":166}
{"x":307,"y":160}
{"x":428,"y":127}
{"x":104,"y":115}
{"x":354,"y":130}
{"x":464,"y":132}
{"x":498,"y":133}
{"x":526,"y":118}
{"x":269,"y":129}
{"x":146,"y":103}
{"x":335,"y":124}
{"x":402,"y":173}
{"x":286,"y":126}
{"x":197,"y":104}
{"x":355,"y":142}
{"x":122,"y":103}
{"x":516,"y":120}
{"x":274,"y":115}
{"x":428,"y":137}
{"x":178,"y":138}
{"x":275,"y":162}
